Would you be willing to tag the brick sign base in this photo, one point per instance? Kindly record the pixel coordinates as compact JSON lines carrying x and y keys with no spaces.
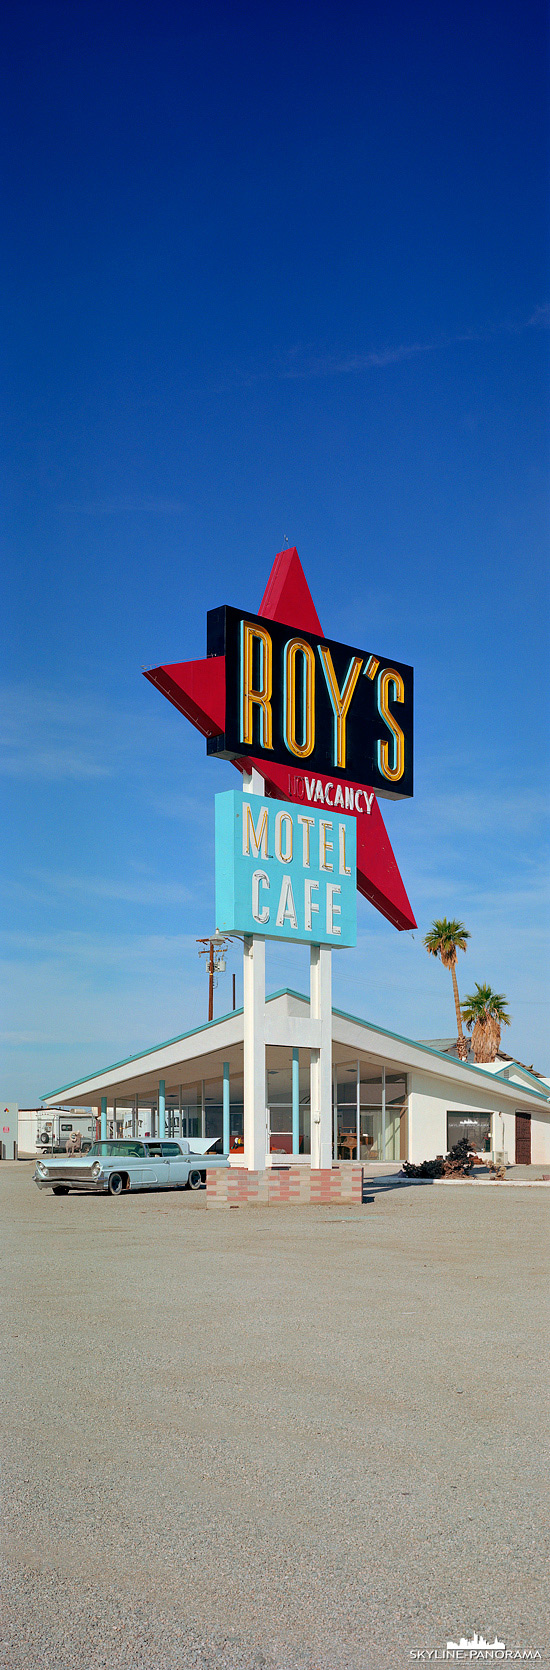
{"x":288,"y":1186}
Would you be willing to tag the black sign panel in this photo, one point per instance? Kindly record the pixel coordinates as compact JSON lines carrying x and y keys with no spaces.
{"x":294,"y":698}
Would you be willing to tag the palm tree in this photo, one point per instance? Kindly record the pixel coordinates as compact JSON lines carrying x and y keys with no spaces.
{"x":485,"y":1012}
{"x":444,"y":940}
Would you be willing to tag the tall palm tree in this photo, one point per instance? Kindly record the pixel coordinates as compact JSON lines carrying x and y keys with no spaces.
{"x":444,"y":940}
{"x":484,"y":1012}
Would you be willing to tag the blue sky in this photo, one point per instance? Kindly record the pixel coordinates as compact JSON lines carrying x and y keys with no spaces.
{"x":275,"y":276}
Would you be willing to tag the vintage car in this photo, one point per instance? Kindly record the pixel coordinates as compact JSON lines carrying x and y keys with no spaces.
{"x":111,"y":1167}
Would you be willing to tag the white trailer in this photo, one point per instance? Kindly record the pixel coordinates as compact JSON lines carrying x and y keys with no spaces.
{"x":48,"y":1129}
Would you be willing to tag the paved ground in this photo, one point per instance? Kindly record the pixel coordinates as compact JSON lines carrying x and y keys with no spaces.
{"x":297,"y":1439}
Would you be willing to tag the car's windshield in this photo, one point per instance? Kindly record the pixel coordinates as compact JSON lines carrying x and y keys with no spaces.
{"x":118,"y":1150}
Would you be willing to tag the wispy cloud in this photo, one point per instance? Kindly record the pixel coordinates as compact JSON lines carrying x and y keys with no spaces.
{"x":540,"y":317}
{"x":51,"y":763}
{"x":486,"y":811}
{"x":95,"y":947}
{"x":185,"y":808}
{"x":51,"y":736}
{"x":144,"y":892}
{"x":326,"y":365}
{"x":46,"y":736}
{"x":127,"y":504}
{"x":90,"y":998}
{"x":301,"y":361}
{"x":19,"y":1039}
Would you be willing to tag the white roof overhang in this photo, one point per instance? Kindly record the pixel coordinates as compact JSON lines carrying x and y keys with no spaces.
{"x":201,"y":1053}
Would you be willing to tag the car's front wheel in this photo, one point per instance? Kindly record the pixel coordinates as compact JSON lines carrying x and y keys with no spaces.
{"x":60,"y":1189}
{"x":115,"y":1183}
{"x":195,"y":1179}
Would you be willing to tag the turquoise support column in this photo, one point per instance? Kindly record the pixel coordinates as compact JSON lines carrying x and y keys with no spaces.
{"x":162,"y":1108}
{"x":225,"y":1138}
{"x":103,"y":1118}
{"x":295,"y":1101}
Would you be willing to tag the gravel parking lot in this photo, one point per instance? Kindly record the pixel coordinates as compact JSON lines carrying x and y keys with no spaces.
{"x":299,"y":1439}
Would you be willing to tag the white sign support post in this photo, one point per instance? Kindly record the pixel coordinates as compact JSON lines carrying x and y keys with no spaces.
{"x":320,"y":1005}
{"x":255,"y":1113}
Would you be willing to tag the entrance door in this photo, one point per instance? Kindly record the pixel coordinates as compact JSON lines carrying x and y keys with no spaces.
{"x":347,"y":1133}
{"x":279,"y":1128}
{"x":523,"y":1139}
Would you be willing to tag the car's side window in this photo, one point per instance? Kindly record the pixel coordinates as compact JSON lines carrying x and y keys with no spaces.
{"x":171,"y":1151}
{"x":155,"y":1150}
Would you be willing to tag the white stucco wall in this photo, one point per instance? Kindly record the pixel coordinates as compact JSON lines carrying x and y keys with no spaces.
{"x":430,"y":1101}
{"x":540,"y":1139}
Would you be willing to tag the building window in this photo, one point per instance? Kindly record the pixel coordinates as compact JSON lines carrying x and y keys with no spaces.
{"x":213,"y":1113}
{"x":236,"y":1112}
{"x":374,"y":1102}
{"x":147,"y":1120}
{"x":396,"y":1115}
{"x":475,"y":1126}
{"x":191,"y":1110}
{"x":279,"y":1100}
{"x":172,"y":1110}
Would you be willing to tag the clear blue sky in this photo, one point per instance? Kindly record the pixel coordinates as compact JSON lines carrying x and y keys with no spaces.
{"x":275,"y":275}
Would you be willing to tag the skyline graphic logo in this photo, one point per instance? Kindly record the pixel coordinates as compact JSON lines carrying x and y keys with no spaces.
{"x":475,"y":1651}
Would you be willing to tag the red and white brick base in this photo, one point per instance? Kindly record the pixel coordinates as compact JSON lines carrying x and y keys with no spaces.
{"x":293,"y":1185}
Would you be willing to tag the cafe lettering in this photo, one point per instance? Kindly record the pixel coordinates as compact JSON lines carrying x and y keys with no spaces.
{"x":284,"y":873}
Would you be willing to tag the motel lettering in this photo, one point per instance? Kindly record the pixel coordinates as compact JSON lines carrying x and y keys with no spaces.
{"x":285,"y":872}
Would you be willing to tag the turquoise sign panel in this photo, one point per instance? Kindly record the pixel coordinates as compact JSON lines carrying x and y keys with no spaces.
{"x":285,"y":872}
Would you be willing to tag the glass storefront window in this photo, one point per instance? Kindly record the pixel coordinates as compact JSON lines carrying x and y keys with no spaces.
{"x":236,"y":1112}
{"x":371,"y":1118}
{"x":370,"y":1111}
{"x":396,"y":1112}
{"x":371,"y":1087}
{"x":371,"y":1133}
{"x":191,"y":1110}
{"x":213,"y":1111}
{"x":147,"y":1117}
{"x":173,"y":1113}
{"x":279,"y":1101}
{"x":346,"y":1121}
{"x":475,"y":1126}
{"x":382,"y":1107}
{"x":305,"y":1103}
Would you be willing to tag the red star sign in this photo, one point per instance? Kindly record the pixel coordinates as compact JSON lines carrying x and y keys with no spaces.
{"x":197,"y":689}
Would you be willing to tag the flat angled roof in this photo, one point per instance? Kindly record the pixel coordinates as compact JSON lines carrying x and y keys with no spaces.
{"x":441,"y":1055}
{"x":455,"y":1068}
{"x":536,"y":1078}
{"x":127,"y":1060}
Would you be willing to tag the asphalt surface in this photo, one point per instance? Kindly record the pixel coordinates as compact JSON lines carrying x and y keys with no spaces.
{"x":295,"y":1438}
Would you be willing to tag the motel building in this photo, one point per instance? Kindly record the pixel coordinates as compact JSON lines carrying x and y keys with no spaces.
{"x":393,"y":1098}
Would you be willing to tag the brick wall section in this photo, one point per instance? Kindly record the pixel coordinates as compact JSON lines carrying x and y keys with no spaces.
{"x":293,"y":1186}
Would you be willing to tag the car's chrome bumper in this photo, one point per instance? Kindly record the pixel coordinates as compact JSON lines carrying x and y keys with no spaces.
{"x":90,"y":1185}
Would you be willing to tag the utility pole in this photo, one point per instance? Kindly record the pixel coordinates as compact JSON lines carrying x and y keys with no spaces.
{"x":213,"y":948}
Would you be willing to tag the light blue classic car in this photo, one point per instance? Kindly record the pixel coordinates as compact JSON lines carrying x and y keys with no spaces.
{"x":112,"y":1167}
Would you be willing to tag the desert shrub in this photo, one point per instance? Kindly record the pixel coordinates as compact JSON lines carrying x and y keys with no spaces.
{"x":458,"y":1162}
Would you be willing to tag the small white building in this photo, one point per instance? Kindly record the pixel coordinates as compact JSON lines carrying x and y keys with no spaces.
{"x":393,"y":1097}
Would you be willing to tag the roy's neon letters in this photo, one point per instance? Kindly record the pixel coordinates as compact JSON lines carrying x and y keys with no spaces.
{"x":294,"y":698}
